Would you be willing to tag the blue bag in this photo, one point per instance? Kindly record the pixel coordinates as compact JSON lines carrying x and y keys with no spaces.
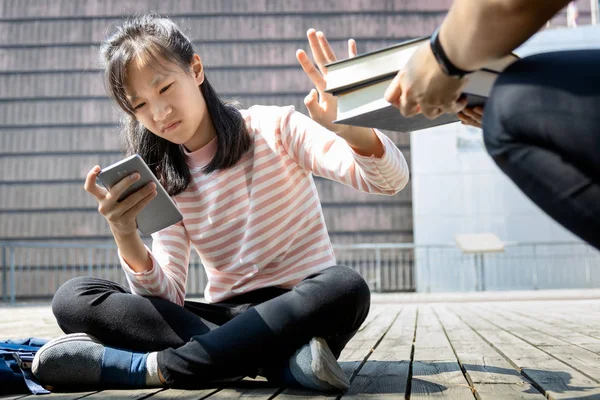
{"x":16,"y":357}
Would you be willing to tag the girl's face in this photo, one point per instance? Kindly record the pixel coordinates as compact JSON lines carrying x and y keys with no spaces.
{"x":169,"y":103}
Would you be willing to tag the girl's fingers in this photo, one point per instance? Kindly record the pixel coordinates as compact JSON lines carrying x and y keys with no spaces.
{"x":325,"y":47}
{"x":315,"y":76}
{"x":133,"y":199}
{"x":91,"y":186}
{"x":311,"y":101}
{"x":316,"y":50}
{"x":352,"y":52}
{"x":120,"y":187}
{"x":135,"y":210}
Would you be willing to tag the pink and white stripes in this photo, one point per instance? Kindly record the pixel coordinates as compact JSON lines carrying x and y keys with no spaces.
{"x":260,"y":222}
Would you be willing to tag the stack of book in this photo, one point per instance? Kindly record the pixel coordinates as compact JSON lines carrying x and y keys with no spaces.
{"x":360,"y":83}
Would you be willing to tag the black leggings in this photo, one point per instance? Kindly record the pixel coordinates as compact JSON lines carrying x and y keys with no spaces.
{"x":201,"y":343}
{"x":542,"y":128}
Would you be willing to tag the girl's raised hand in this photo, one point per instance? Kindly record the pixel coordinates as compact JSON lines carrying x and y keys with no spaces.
{"x":322,"y":107}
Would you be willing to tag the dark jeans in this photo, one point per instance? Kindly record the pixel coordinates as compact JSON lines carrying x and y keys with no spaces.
{"x":201,"y":343}
{"x":542,"y":127}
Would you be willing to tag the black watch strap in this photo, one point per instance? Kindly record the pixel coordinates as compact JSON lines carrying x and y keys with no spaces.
{"x":442,"y":59}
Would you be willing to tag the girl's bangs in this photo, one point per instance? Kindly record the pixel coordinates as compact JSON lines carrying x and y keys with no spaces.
{"x":149,"y":54}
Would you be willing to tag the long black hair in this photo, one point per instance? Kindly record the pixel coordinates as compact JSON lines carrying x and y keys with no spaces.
{"x":153,"y":38}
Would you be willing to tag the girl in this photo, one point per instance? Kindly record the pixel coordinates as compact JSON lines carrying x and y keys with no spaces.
{"x":278,"y":304}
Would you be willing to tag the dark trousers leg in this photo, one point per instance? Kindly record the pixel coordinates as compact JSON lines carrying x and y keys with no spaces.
{"x":332,"y":304}
{"x":257,"y":329}
{"x":542,"y":128}
{"x":120,"y":319}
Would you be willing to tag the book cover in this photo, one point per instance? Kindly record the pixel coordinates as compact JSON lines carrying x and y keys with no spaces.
{"x":354,"y":72}
{"x":366,"y":106}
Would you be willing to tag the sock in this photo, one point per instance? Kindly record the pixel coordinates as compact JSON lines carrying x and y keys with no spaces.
{"x":123,"y":368}
{"x":152,"y":378}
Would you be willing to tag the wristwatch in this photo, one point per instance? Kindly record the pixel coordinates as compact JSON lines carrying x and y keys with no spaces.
{"x":442,"y":59}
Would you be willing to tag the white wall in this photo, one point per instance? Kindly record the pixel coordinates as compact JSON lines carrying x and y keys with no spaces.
{"x":458,"y":189}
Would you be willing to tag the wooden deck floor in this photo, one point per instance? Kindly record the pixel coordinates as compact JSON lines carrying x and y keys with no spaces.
{"x":483,"y":350}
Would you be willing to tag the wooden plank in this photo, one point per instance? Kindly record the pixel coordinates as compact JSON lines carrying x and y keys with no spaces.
{"x":490,"y":375}
{"x":492,"y":370}
{"x":556,"y":379}
{"x":483,"y":364}
{"x":439,"y":379}
{"x":385,"y":373}
{"x":380,"y":379}
{"x":435,"y":370}
{"x":566,"y":323}
{"x":61,"y":396}
{"x":11,"y":396}
{"x":550,"y":326}
{"x":431,"y":343}
{"x":124,"y":394}
{"x":579,"y":358}
{"x":362,"y":344}
{"x":28,"y":322}
{"x":182,"y":394}
{"x":248,"y":388}
{"x":502,"y":391}
{"x":583,"y":360}
{"x":354,"y":354}
{"x":375,"y":311}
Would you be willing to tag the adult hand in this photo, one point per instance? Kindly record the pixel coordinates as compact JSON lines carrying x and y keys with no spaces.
{"x":472,"y":116}
{"x":120,"y":215}
{"x":422,"y":87}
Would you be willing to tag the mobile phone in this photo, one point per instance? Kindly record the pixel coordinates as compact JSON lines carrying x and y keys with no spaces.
{"x":161,"y":212}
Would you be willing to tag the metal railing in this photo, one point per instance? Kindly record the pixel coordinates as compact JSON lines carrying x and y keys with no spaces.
{"x":572,"y":14}
{"x":34,"y":271}
{"x":522,"y":266}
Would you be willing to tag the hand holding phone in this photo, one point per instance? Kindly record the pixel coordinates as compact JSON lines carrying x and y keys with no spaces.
{"x":132,"y":197}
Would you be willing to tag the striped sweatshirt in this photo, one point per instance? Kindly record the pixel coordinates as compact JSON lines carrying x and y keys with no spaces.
{"x":260,"y":223}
